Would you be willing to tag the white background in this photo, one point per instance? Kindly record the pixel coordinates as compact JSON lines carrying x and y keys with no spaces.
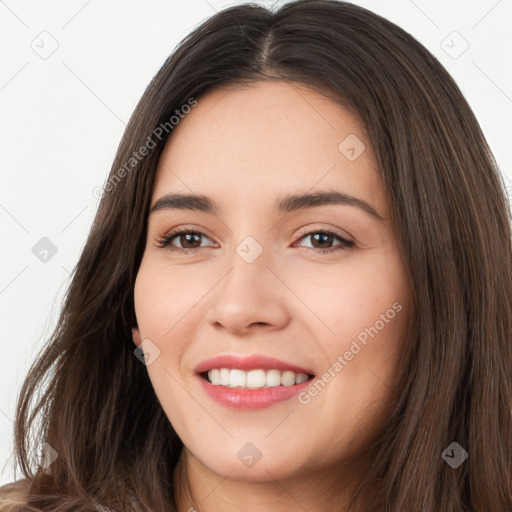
{"x":62,"y":117}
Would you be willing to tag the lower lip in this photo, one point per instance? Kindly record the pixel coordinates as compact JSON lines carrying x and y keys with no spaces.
{"x":245,"y":398}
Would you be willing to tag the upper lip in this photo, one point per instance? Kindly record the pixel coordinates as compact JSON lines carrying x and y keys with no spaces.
{"x":253,"y":362}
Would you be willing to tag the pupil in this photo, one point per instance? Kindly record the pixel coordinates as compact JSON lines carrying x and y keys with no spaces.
{"x":324,"y":236}
{"x":187,"y":237}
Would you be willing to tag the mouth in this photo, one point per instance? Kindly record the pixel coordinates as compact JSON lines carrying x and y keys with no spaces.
{"x":254,"y":379}
{"x":253,"y":389}
{"x":253,"y":375}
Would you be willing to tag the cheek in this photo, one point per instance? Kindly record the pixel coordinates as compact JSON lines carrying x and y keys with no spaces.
{"x":370,"y":320}
{"x":364,"y":312}
{"x":344,"y":303}
{"x":164,"y":301}
{"x":164,"y":307}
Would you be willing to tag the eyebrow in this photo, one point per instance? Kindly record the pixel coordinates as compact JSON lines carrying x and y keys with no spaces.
{"x":286,"y":204}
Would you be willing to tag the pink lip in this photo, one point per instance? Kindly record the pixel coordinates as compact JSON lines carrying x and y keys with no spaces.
{"x":244,"y":398}
{"x":250,"y":399}
{"x":254,"y":362}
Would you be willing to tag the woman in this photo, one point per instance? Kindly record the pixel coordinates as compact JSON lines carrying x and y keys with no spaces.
{"x":296,"y":291}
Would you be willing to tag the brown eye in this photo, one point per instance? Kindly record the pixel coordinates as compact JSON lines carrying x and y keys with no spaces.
{"x":322,"y":240}
{"x":188,"y":239}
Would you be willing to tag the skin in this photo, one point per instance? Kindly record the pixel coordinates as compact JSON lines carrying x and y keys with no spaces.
{"x":244,"y":148}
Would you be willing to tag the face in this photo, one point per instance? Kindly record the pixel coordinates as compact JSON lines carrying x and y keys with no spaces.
{"x":315,"y":284}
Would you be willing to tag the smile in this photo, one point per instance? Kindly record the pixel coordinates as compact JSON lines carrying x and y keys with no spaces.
{"x":254,"y":379}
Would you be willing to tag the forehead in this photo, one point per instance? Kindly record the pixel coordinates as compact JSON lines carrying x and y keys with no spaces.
{"x":242,"y":144}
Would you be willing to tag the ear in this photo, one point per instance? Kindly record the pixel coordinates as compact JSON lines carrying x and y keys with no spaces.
{"x":136,"y":336}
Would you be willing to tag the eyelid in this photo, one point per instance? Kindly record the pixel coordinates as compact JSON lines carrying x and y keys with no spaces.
{"x":189,"y":227}
{"x":307,"y":230}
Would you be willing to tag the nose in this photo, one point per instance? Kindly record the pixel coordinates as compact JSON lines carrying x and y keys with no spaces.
{"x":250,"y":295}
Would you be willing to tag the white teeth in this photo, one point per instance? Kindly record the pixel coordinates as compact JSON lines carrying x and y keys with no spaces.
{"x":273,"y":378}
{"x":237,"y":378}
{"x":301,"y":377}
{"x":224,"y":376}
{"x":255,"y":378}
{"x":288,"y":378}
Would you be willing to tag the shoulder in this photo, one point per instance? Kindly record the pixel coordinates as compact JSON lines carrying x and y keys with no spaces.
{"x":13,"y":495}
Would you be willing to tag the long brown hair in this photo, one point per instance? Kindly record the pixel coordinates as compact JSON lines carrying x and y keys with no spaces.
{"x":90,"y":398}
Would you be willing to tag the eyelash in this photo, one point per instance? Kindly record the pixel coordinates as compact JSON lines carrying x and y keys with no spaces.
{"x":166,"y":240}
